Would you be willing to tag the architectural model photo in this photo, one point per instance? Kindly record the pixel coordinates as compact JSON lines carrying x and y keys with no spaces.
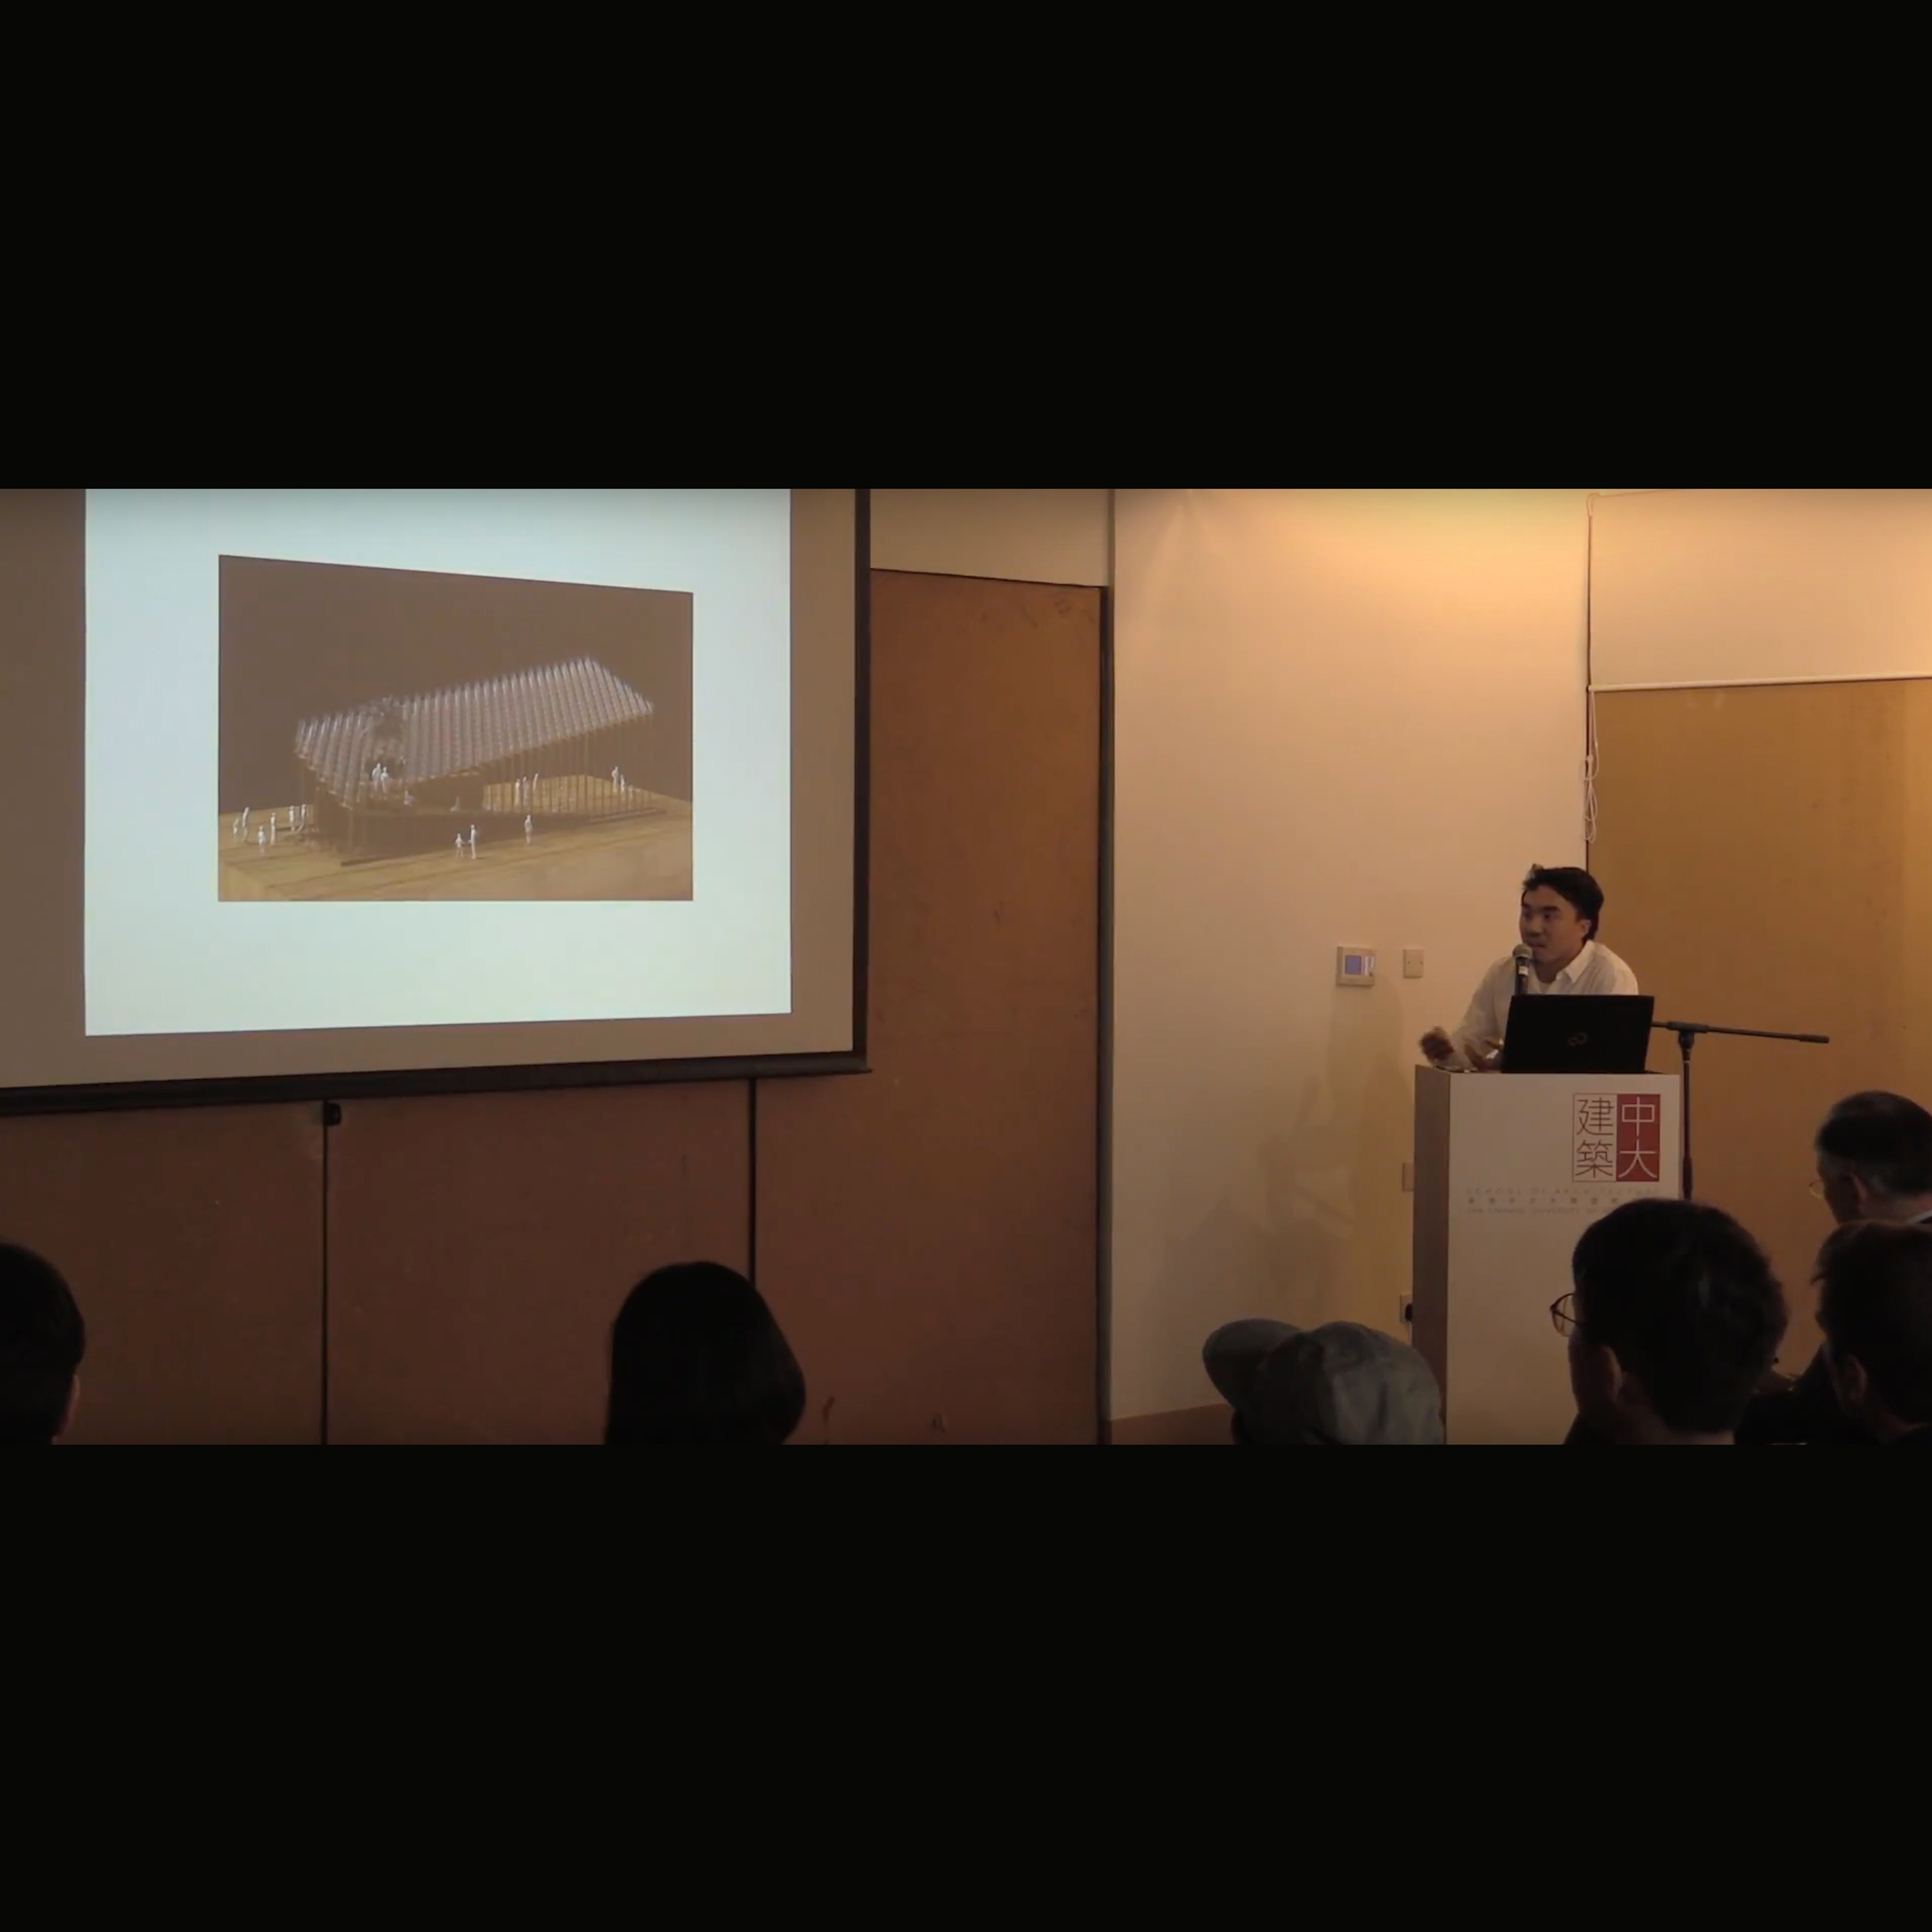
{"x":566,"y":776}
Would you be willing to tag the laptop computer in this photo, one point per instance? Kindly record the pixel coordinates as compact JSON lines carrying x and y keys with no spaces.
{"x":1557,"y":1032}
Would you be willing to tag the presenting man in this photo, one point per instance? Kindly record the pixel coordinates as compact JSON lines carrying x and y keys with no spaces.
{"x":1562,"y":911}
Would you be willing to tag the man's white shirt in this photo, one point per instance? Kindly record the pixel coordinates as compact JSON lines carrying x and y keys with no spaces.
{"x":1594,"y":970}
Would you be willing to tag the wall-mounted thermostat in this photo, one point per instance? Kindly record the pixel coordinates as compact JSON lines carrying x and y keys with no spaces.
{"x":1354,"y":966}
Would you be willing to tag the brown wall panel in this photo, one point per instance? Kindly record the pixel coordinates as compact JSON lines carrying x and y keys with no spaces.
{"x":1763,"y":852}
{"x":1211,"y":1427}
{"x":480,"y":1248}
{"x":928,"y":1233}
{"x":193,"y":1244}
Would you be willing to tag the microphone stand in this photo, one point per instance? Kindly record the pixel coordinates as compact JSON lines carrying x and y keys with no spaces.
{"x":1688,"y":1032}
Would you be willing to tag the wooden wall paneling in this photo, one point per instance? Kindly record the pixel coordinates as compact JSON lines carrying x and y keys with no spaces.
{"x":193,"y":1242}
{"x":480,"y":1248}
{"x":928,"y":1233}
{"x":1764,"y":852}
{"x":1209,"y":1427}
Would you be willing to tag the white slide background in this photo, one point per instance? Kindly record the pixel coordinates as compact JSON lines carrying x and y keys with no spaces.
{"x":165,"y":956}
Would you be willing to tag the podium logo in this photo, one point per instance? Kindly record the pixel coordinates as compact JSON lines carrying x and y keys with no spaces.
{"x":1616,"y":1137}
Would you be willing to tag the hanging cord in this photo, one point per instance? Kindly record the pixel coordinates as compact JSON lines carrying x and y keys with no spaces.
{"x":1593,"y":769}
{"x":1593,"y":763}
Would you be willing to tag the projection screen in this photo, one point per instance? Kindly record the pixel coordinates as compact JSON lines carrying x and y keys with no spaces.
{"x":331,"y":791}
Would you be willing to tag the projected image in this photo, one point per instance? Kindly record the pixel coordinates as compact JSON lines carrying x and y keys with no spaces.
{"x":406,"y":736}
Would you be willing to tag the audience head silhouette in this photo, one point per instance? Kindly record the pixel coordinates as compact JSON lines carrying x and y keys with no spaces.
{"x":1875,"y":1306}
{"x":1875,"y":1159}
{"x":697,"y":1358}
{"x":1677,"y":1318}
{"x":42,"y":1340}
{"x":1340,"y":1386}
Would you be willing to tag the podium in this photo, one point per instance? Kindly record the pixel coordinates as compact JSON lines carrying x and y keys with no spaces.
{"x":1510,"y":1170}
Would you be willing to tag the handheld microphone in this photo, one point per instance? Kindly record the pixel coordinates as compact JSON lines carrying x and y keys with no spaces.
{"x":1523,"y":955}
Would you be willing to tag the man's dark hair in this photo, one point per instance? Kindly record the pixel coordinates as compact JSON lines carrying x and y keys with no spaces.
{"x":697,"y":1358}
{"x":1688,"y":1301}
{"x":1875,"y":1304}
{"x":1883,"y":1138}
{"x":42,"y":1340}
{"x":1573,"y":883}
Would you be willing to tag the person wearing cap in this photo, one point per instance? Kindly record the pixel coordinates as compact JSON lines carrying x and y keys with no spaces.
{"x":1559,"y":919}
{"x":1341,"y":1386}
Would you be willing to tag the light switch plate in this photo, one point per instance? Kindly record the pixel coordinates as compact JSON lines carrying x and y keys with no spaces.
{"x":1411,"y":963}
{"x":1354,"y":966}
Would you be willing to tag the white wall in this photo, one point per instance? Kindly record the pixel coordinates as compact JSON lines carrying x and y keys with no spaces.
{"x":1344,"y":716}
{"x":1030,"y":536}
{"x":1762,"y":586}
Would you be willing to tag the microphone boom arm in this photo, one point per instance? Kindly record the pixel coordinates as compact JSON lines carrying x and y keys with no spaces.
{"x":1688,"y":1033}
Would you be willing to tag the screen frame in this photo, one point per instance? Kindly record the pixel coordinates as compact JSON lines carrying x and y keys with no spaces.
{"x":405,"y":1083}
